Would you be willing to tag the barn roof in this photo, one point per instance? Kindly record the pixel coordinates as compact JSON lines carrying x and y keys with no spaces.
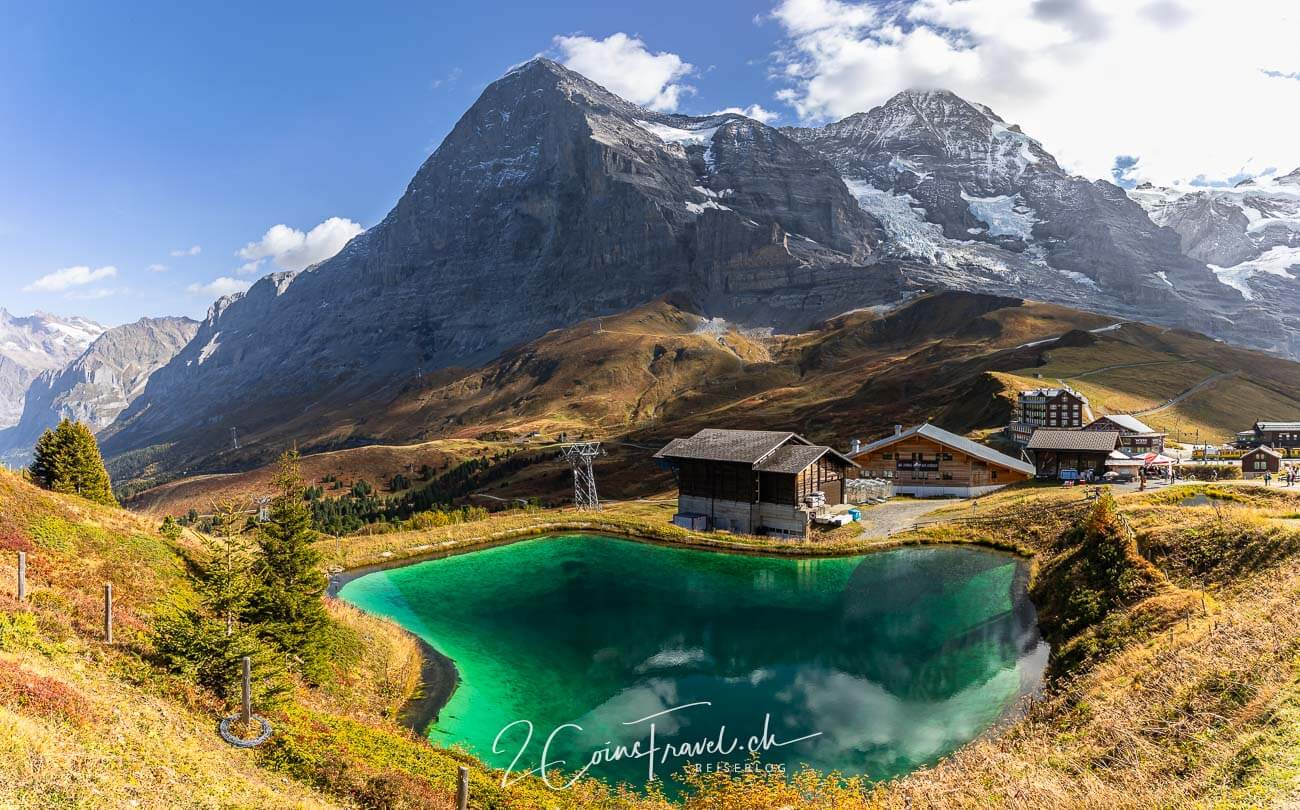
{"x":1263,"y":448}
{"x":765,"y":450}
{"x":1126,"y":422}
{"x":1277,"y":425}
{"x":716,"y":444}
{"x":955,"y":442}
{"x":1097,"y":441}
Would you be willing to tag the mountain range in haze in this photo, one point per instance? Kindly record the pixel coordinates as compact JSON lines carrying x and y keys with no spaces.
{"x":553,"y":200}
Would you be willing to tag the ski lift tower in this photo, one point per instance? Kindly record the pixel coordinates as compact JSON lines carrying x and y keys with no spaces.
{"x":579,"y":455}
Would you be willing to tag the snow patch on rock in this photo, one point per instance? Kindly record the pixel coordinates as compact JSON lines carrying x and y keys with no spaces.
{"x":1006,"y":215}
{"x":1279,"y":261}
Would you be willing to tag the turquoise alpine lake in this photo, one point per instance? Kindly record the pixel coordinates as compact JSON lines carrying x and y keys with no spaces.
{"x":632,"y":660}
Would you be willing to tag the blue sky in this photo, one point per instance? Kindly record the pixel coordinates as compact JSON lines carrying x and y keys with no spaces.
{"x":130,"y":132}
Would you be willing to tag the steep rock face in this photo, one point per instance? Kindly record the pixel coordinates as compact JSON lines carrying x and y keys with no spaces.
{"x":99,"y":384}
{"x":1249,"y":235}
{"x":961,"y":189}
{"x":33,"y":344}
{"x":550,"y":201}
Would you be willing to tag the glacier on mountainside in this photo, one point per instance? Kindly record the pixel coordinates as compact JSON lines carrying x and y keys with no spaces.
{"x":1005,"y":215}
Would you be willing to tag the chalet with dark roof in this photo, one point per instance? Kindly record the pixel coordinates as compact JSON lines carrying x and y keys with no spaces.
{"x":753,"y":481}
{"x":1136,"y":438}
{"x":1261,"y":460}
{"x":1277,"y":435}
{"x":1057,"y":451}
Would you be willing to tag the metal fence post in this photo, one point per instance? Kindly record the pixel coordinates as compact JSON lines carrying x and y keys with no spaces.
{"x":462,"y":789}
{"x":22,"y":575}
{"x":246,"y":712}
{"x":108,"y":612}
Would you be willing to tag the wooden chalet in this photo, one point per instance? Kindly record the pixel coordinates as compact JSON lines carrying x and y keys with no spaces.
{"x":1135,"y":437}
{"x":929,"y":461}
{"x":1056,"y":451}
{"x":1277,"y":435}
{"x":1262,"y":459}
{"x":753,"y":481}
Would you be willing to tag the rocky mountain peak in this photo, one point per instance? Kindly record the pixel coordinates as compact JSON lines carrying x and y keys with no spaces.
{"x":32,"y":344}
{"x":96,"y":386}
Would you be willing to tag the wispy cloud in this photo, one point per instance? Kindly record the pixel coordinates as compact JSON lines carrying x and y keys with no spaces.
{"x":192,"y":250}
{"x":94,"y":295}
{"x":68,"y":277}
{"x":157,"y":268}
{"x":219,"y":287}
{"x":451,"y":78}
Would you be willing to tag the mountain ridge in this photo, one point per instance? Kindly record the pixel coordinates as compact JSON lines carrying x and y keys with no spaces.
{"x":98,"y":384}
{"x":553,"y":200}
{"x":32,"y":344}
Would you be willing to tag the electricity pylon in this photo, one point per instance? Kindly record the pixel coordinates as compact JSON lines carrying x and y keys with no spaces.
{"x":580,"y":455}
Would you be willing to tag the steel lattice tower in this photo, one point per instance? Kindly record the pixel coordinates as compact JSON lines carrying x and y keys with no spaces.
{"x":580,"y":455}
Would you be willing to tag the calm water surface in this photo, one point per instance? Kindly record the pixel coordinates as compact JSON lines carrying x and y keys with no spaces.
{"x":883,"y":663}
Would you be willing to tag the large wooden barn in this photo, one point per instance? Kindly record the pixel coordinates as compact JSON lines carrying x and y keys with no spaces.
{"x":753,"y":481}
{"x":1079,"y":451}
{"x":930,"y":461}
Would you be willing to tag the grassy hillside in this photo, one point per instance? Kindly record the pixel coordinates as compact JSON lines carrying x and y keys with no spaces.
{"x":1175,"y":676}
{"x":641,"y":378}
{"x":1139,"y":369}
{"x":87,"y":724}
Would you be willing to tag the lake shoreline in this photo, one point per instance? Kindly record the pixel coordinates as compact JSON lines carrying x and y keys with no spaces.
{"x":439,"y":676}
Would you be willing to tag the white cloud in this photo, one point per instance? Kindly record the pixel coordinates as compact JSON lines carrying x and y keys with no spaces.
{"x":220,"y":286}
{"x":157,"y":268}
{"x":754,"y":111}
{"x":624,"y":66}
{"x":291,"y":249}
{"x":94,"y":295}
{"x":192,"y":250}
{"x":1188,"y":87}
{"x":68,"y":277}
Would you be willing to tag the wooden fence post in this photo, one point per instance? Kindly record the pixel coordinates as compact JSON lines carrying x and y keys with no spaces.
{"x":462,"y":789}
{"x":246,"y":711}
{"x":22,"y":575}
{"x":108,"y":612}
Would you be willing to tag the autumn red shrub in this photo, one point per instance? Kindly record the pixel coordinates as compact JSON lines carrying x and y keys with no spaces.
{"x":31,"y":693}
{"x":13,"y":538}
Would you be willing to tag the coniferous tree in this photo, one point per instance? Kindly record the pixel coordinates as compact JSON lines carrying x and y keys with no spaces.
{"x":286,"y":601}
{"x":204,"y":642}
{"x":66,"y":459}
{"x":224,"y":576}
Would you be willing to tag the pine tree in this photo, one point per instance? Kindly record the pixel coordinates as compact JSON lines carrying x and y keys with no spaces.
{"x":66,"y":459}
{"x":204,"y":642}
{"x":288,"y":581}
{"x":223,"y":577}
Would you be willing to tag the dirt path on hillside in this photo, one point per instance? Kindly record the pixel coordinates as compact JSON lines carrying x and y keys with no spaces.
{"x":893,"y":516}
{"x":1200,"y":386}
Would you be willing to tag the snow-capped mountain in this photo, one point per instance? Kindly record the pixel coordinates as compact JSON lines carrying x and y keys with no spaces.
{"x":984,"y":206}
{"x":33,"y":344}
{"x":1249,"y":235}
{"x":99,"y":384}
{"x":553,"y":200}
